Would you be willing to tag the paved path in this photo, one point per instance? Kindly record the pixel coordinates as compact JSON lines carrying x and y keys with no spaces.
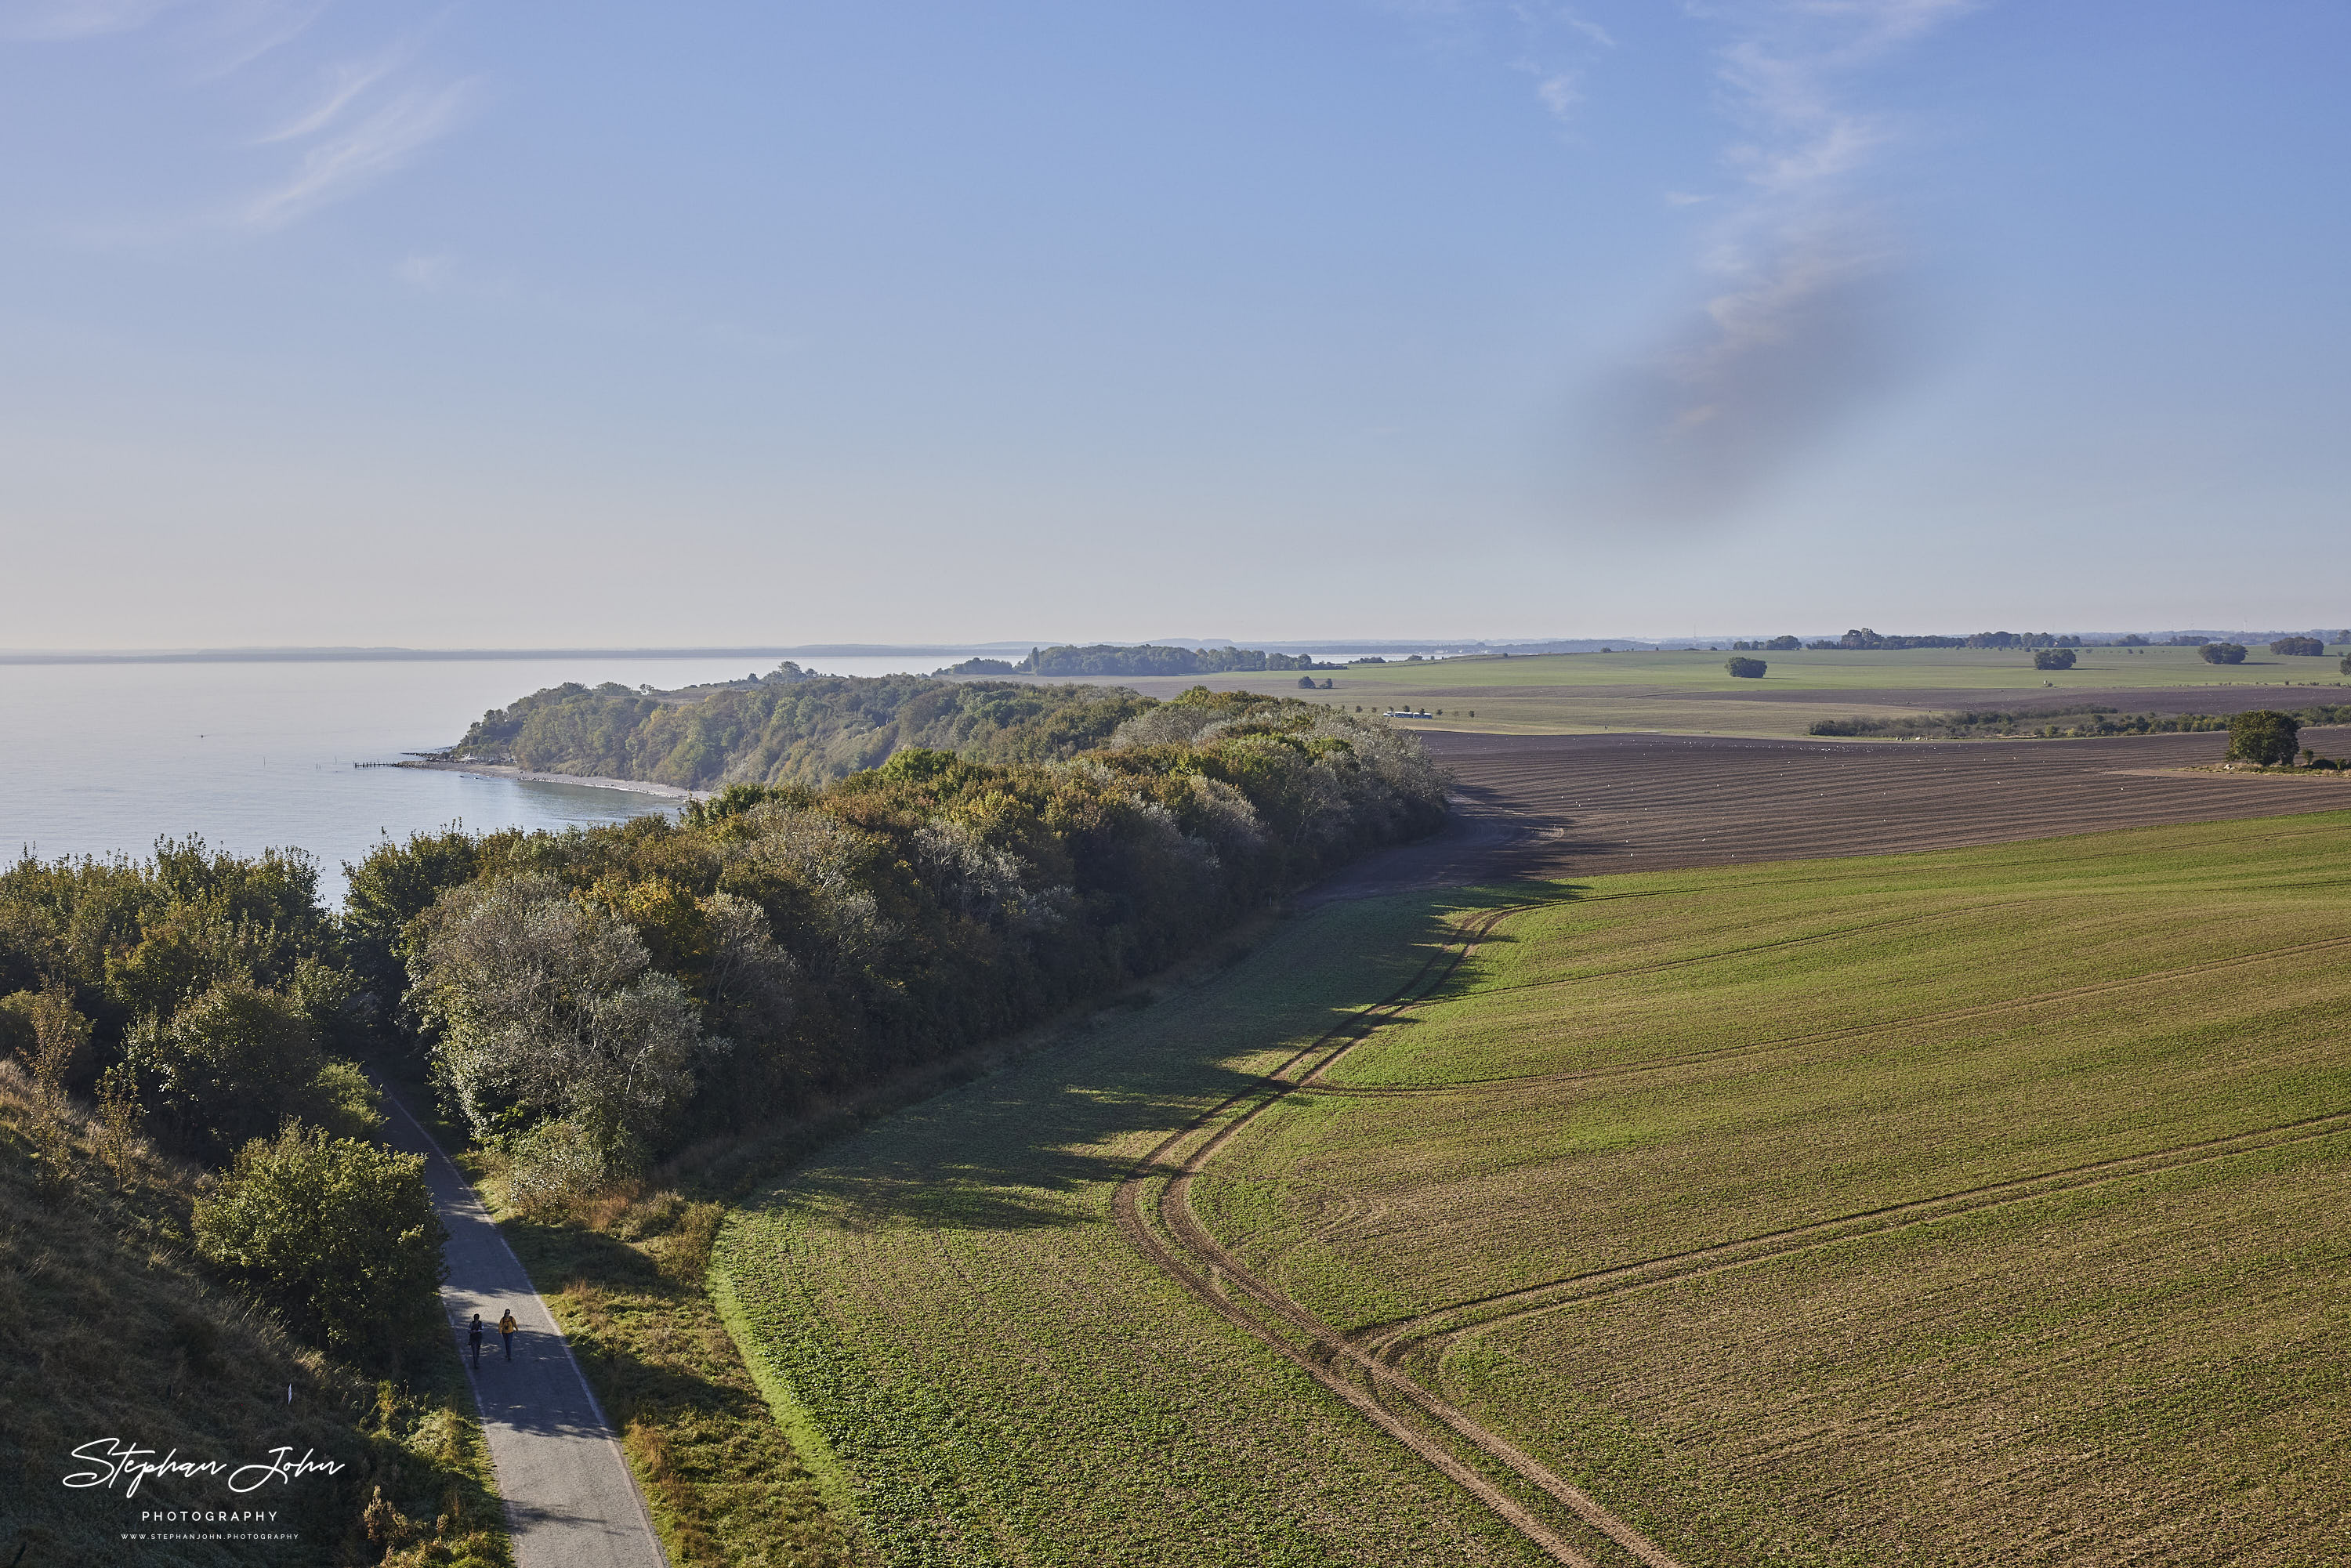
{"x":570,"y":1500}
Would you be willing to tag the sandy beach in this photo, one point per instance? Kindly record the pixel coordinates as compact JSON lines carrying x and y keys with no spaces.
{"x":508,"y":770}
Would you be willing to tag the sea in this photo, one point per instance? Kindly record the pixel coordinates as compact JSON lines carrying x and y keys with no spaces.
{"x":103,"y":758}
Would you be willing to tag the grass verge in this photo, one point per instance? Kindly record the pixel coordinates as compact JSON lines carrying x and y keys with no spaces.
{"x":735,"y":1469}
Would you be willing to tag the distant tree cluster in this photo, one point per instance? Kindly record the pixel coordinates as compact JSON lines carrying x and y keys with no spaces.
{"x":1776,"y":645}
{"x":1745,"y":669}
{"x":982,"y":667}
{"x":2299,"y":647}
{"x":2052,"y":659}
{"x":2057,"y":723}
{"x":1865,"y":638}
{"x":1104,"y":659}
{"x":2222,"y":652}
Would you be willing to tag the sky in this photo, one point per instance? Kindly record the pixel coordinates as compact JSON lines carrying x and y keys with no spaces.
{"x":525,"y":324}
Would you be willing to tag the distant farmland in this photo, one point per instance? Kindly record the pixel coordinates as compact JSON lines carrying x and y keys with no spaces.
{"x":1691,"y":692}
{"x":1977,"y":1207}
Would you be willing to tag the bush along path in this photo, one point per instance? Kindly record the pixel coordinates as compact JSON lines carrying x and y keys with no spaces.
{"x":571,"y":1501}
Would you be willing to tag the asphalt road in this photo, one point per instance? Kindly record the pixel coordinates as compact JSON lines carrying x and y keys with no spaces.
{"x":570,"y":1500}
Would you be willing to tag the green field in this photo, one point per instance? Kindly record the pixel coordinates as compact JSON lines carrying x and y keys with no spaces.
{"x":1983,"y":1207}
{"x":1691,"y":691}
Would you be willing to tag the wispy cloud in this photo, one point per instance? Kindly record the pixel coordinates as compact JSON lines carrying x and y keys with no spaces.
{"x":338,"y":161}
{"x":1556,"y":47}
{"x":334,"y":116}
{"x":345,"y":85}
{"x":60,"y":20}
{"x":1802,"y":317}
{"x":1544,"y":40}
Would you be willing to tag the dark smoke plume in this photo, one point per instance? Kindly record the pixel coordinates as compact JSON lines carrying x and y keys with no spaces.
{"x":1765,"y":373}
{"x":1809,"y":314}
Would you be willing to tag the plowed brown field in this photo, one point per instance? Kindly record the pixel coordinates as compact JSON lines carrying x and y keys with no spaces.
{"x":1572,"y":805}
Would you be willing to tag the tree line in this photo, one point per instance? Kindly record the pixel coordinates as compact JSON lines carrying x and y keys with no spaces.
{"x":1151,"y":659}
{"x":792,"y":727}
{"x":588,"y":1001}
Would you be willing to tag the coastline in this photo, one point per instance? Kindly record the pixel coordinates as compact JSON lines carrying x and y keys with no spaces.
{"x":526,"y":775}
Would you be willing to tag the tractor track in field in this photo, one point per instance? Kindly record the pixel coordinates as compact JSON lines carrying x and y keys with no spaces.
{"x":1321,"y":1085}
{"x":1547,"y":807}
{"x":1183,"y":1249}
{"x":1372,"y":1369}
{"x":1395,"y":1342}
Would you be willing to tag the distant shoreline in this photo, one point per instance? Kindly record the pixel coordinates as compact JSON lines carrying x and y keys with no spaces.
{"x":524,"y":775}
{"x":405,"y":655}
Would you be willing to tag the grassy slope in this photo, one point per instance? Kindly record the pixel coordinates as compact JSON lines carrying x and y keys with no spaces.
{"x":1564,"y":693}
{"x":1002,"y":1380}
{"x":2141,"y":1369}
{"x":108,"y":1330}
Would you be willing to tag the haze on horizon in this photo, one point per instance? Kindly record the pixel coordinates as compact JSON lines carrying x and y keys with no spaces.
{"x":464,"y":325}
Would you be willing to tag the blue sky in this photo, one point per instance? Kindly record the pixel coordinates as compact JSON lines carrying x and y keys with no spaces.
{"x":527,"y":323}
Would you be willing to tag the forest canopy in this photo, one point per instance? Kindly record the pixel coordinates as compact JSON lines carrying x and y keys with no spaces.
{"x":592,"y":999}
{"x":1150,"y":659}
{"x":792,"y":728}
{"x":589,"y":1002}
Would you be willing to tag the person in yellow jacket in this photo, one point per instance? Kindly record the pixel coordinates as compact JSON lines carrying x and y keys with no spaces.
{"x":506,"y":1326}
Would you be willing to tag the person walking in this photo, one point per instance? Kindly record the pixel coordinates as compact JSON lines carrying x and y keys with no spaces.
{"x":475,"y":1335}
{"x":506,"y":1326}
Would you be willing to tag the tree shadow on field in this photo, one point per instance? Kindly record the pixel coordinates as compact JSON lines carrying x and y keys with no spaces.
{"x":1041,"y":1143}
{"x":575,"y":1251}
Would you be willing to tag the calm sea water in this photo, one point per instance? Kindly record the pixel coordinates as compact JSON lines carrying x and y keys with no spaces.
{"x":100,"y":758}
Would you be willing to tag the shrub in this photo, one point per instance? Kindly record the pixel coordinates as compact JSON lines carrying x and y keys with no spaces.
{"x":2053,"y":659}
{"x":1746,"y":669}
{"x":336,"y":1235}
{"x":552,"y":1169}
{"x":1306,"y":683}
{"x":2223,"y":652}
{"x":48,"y":1032}
{"x":2301,"y":647}
{"x":235,"y":1062}
{"x":2345,"y":664}
{"x":2263,"y":736}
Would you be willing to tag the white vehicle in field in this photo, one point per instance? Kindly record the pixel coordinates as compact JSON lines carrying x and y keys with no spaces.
{"x":1405,"y":713}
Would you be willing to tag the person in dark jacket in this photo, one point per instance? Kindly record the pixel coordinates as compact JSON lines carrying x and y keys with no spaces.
{"x":506,"y":1326}
{"x":474,"y":1333}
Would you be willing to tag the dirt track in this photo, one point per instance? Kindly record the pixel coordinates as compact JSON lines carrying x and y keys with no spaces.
{"x":1580,"y":805}
{"x":1559,"y":806}
{"x":1153,"y":1209}
{"x":1576,"y":805}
